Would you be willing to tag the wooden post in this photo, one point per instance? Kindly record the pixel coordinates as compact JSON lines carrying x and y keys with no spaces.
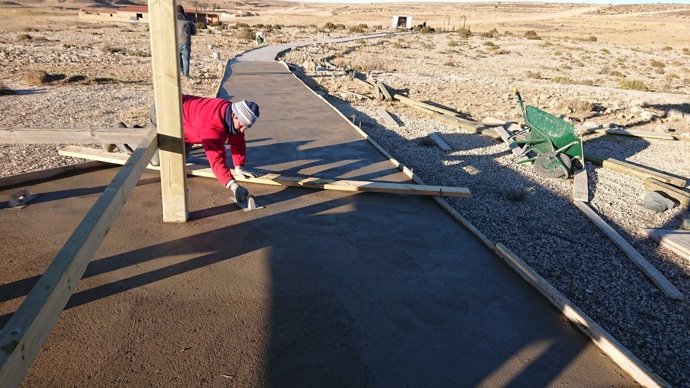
{"x":166,"y":84}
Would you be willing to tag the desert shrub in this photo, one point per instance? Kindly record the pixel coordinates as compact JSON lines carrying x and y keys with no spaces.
{"x":425,"y":29}
{"x":686,"y":51}
{"x":340,"y":26}
{"x":563,"y":80}
{"x":139,"y":53}
{"x":37,"y":77}
{"x":363,"y":26}
{"x":490,"y":34}
{"x":217,"y":24}
{"x":449,"y":64}
{"x":377,"y":27}
{"x":277,"y":27}
{"x":587,"y":82}
{"x":107,"y":49}
{"x":501,"y":51}
{"x":4,"y":90}
{"x":29,"y":29}
{"x":657,"y":64}
{"x":557,"y":53}
{"x":633,"y":85}
{"x":605,"y":51}
{"x":242,"y":25}
{"x":533,"y":74}
{"x":616,"y":73}
{"x":452,"y":43}
{"x":667,"y":48}
{"x":355,"y":30}
{"x":201,"y":26}
{"x":532,"y":35}
{"x":361,"y":42}
{"x":398,"y":45}
{"x":22,"y":37}
{"x":465,"y":33}
{"x":329,"y":26}
{"x":489,"y":44}
{"x":245,"y":34}
{"x":592,"y":38}
{"x":672,"y":77}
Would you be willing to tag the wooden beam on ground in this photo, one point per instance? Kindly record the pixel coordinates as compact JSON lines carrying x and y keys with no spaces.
{"x":634,"y":170}
{"x":409,"y":101}
{"x":384,"y":90}
{"x":362,"y":82}
{"x":654,"y":275}
{"x":493,"y":122}
{"x":618,"y":353}
{"x":24,"y":333}
{"x":436,"y":138}
{"x":676,"y":240}
{"x":166,"y":84}
{"x":387,"y":118}
{"x":680,"y":195}
{"x":278,"y":180}
{"x":21,"y":179}
{"x":581,"y":185}
{"x":505,"y":136}
{"x":631,"y":133}
{"x":72,"y":135}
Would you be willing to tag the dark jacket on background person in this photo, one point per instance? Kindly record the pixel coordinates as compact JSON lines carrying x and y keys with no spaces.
{"x":185,"y":27}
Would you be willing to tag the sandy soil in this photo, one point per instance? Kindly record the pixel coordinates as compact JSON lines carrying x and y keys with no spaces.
{"x":580,"y":62}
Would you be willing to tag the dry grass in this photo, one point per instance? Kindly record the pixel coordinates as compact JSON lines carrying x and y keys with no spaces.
{"x":36,"y":77}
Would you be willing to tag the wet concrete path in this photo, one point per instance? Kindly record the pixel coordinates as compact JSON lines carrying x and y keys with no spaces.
{"x":318,"y":289}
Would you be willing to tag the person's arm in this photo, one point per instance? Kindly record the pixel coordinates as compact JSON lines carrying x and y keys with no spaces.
{"x":193,"y":29}
{"x":238,"y":149}
{"x":215,"y":153}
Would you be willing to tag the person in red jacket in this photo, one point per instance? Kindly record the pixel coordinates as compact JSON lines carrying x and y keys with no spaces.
{"x":213,"y":122}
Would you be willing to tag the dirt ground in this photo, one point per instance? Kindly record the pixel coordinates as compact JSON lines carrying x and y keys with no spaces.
{"x":607,"y":65}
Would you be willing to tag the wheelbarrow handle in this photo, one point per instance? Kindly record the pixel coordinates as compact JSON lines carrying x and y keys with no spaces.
{"x":522,"y":105}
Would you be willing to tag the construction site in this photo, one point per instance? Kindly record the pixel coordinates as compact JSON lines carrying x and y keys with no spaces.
{"x":448,"y":204}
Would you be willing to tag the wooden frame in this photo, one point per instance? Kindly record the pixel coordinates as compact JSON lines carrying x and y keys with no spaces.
{"x":27,"y":329}
{"x":29,"y":326}
{"x":72,"y":135}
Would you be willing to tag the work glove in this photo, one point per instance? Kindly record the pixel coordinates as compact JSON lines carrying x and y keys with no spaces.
{"x":239,"y":192}
{"x":241,"y":171}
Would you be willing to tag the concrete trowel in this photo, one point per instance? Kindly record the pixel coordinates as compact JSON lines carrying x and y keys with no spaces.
{"x":248,"y":205}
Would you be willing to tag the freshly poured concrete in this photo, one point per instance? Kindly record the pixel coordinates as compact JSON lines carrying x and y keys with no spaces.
{"x":318,"y":289}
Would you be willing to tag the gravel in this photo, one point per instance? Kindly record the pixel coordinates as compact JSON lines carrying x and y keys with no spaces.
{"x":531,"y":215}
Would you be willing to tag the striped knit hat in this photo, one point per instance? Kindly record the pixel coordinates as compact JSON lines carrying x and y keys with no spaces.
{"x":246,"y":111}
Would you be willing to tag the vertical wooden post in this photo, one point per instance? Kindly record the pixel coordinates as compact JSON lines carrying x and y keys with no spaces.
{"x":166,"y":84}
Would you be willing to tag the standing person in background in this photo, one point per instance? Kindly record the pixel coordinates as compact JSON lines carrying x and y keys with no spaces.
{"x":185,"y":29}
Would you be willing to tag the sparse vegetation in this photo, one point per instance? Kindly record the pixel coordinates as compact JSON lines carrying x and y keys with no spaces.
{"x":37,"y":77}
{"x":686,"y":51}
{"x":657,"y":64}
{"x":107,"y":49}
{"x":452,"y":43}
{"x":489,"y":44}
{"x":633,"y":85}
{"x":246,"y":34}
{"x":616,"y":73}
{"x":592,"y":38}
{"x":23,"y":37}
{"x":490,"y":34}
{"x":532,"y":35}
{"x":464,"y":33}
{"x":533,"y":74}
{"x":605,"y":51}
{"x":667,"y":48}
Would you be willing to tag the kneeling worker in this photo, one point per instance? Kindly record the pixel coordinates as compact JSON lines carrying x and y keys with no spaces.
{"x":212,"y":122}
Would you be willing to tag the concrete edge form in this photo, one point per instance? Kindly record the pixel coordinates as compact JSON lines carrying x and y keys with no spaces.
{"x":613,"y":349}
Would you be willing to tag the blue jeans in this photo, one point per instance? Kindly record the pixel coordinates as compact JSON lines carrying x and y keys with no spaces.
{"x":184,"y":52}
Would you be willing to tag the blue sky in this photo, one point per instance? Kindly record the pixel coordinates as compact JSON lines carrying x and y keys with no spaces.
{"x":515,"y":1}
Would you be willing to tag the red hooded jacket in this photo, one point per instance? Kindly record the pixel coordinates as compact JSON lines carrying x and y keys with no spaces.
{"x":203,"y":120}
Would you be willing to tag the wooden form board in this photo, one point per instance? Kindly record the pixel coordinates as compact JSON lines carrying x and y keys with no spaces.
{"x":581,"y":185}
{"x":676,"y":240}
{"x":384,"y":90}
{"x":438,"y":139}
{"x":387,"y":118}
{"x":21,"y":179}
{"x":434,"y":108}
{"x":278,"y":180}
{"x":618,"y":353}
{"x":514,"y":147}
{"x":166,"y":85}
{"x":654,"y":275}
{"x":680,"y":195}
{"x":72,"y":135}
{"x":630,"y":132}
{"x":638,"y":171}
{"x":29,"y":326}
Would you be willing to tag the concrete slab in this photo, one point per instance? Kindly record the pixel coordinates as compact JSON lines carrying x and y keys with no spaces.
{"x":318,"y":289}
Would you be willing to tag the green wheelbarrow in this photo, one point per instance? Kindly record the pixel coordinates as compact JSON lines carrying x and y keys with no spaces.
{"x":552,"y":145}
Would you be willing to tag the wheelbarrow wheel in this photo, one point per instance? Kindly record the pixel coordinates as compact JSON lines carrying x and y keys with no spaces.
{"x":547,"y":166}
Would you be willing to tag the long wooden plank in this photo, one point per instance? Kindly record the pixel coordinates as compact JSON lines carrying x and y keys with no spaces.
{"x":581,"y":185}
{"x":436,"y":137}
{"x":514,"y":147}
{"x":279,"y":180}
{"x":631,"y":133}
{"x":21,"y":179}
{"x":24,"y":333}
{"x":384,"y":90}
{"x":166,"y":84}
{"x":600,"y":337}
{"x":634,"y":170}
{"x":680,"y":195}
{"x":410,"y":101}
{"x":675,"y":240}
{"x":71,"y":135}
{"x":387,"y":118}
{"x":654,"y":275}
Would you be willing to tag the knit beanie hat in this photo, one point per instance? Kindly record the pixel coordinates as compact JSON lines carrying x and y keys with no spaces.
{"x":246,"y":111}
